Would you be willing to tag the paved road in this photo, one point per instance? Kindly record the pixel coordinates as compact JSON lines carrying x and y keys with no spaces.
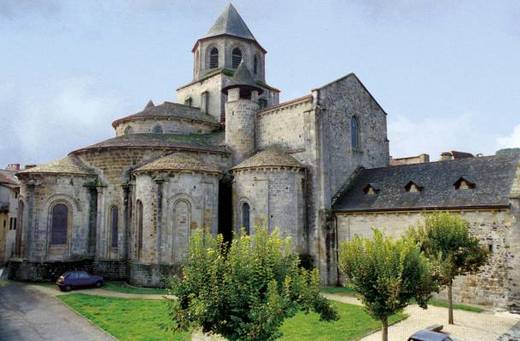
{"x":27,"y":314}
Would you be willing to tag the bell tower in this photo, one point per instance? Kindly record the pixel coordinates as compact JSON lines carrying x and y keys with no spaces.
{"x":228,"y":42}
{"x":216,"y":57}
{"x":241,"y":107}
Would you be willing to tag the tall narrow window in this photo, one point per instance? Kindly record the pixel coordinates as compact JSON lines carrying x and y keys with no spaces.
{"x":213,"y":58}
{"x":60,"y":220}
{"x":157,"y":129}
{"x":354,"y":130}
{"x":255,"y":65}
{"x":114,"y":225}
{"x":245,"y":217}
{"x":236,"y":57}
{"x":204,"y":102}
{"x":188,"y":101}
{"x":182,"y":225}
{"x":139,"y":234}
{"x":18,"y":237}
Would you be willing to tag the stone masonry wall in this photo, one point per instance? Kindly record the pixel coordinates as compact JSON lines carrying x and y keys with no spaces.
{"x":189,"y":201}
{"x":276,"y":200}
{"x":492,"y":227}
{"x":240,"y":127}
{"x":39,"y":199}
{"x":283,"y":126}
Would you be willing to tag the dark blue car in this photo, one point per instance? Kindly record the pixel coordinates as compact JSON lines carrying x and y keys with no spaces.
{"x":78,"y":279}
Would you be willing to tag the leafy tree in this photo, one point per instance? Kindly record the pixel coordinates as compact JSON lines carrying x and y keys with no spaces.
{"x":446,"y":240}
{"x":244,"y":291}
{"x":386,"y":274}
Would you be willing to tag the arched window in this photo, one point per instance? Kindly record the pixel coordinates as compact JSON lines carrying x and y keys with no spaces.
{"x":182,"y":226}
{"x":59,"y":226}
{"x":354,"y":131}
{"x":255,"y":65}
{"x":139,"y":232}
{"x":114,"y":225}
{"x":129,"y":130}
{"x":236,"y":57}
{"x":245,"y":217}
{"x":213,"y":58}
{"x":157,"y":129}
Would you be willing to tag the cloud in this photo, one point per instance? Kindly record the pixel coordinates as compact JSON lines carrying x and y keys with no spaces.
{"x":56,"y":118}
{"x":510,"y":141}
{"x":434,"y":135}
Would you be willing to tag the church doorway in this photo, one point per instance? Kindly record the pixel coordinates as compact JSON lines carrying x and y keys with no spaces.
{"x":225,"y":209}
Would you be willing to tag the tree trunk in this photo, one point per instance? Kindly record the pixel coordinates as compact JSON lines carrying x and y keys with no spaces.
{"x":385,"y":329}
{"x":450,"y":302}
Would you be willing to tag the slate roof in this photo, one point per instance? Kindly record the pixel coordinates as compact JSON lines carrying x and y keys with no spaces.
{"x":68,"y":165}
{"x":206,"y":142}
{"x":179,"y":161}
{"x":231,"y":23}
{"x":243,"y":79}
{"x":493,"y":177}
{"x":168,"y":110}
{"x":271,"y":157}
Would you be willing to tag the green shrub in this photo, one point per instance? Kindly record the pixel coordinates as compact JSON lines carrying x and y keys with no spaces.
{"x":244,"y":291}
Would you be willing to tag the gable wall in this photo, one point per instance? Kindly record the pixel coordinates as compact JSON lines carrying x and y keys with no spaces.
{"x":340,"y":101}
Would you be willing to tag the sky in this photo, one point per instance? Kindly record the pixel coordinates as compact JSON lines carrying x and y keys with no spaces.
{"x":446,"y":72}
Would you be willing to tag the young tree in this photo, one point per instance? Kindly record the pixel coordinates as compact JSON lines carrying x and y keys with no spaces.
{"x":244,"y":291}
{"x":386,"y":274}
{"x":446,"y":240}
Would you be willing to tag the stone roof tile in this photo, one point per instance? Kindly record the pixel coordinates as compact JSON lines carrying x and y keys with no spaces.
{"x":177,"y":162}
{"x":168,"y":110}
{"x":68,"y":165}
{"x":205,"y":142}
{"x":271,"y":157}
{"x":231,"y":23}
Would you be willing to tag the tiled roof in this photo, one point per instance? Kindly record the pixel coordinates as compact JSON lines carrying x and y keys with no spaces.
{"x":207,"y":142}
{"x":168,"y":110}
{"x":271,"y":157}
{"x":68,"y":165}
{"x":242,"y":78}
{"x":493,"y":177}
{"x":8,"y":178}
{"x":179,"y":161}
{"x":231,"y":23}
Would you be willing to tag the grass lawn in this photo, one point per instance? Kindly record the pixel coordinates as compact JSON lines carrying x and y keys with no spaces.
{"x":136,"y":319}
{"x":126,"y":319}
{"x":444,"y":304}
{"x":120,"y":286}
{"x":354,"y":323}
{"x":3,"y":283}
{"x":436,"y":302}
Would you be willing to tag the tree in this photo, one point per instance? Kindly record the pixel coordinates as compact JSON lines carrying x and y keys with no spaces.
{"x":446,"y":240}
{"x":386,"y":274}
{"x":244,"y":291}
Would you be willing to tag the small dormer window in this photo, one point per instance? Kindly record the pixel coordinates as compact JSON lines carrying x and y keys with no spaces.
{"x":412,"y":187}
{"x":464,"y":183}
{"x":370,"y":189}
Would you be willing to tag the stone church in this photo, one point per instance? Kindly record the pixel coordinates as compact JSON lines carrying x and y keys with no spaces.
{"x":227,"y":155}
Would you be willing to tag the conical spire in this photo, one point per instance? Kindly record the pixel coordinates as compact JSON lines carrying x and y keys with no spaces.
{"x":243,"y":79}
{"x":149,"y":105}
{"x":231,"y":23}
